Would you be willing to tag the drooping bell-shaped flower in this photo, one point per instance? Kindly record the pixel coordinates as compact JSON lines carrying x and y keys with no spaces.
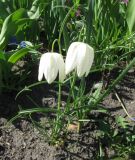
{"x":80,"y":56}
{"x":50,"y":65}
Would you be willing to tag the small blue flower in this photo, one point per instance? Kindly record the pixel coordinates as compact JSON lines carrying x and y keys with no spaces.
{"x":24,"y":44}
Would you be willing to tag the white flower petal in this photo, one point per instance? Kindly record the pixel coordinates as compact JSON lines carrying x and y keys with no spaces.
{"x":61,"y":66}
{"x":53,"y":63}
{"x":81,"y":60}
{"x":71,"y":58}
{"x":90,"y":53}
{"x":79,"y":56}
{"x":41,"y":67}
{"x":51,"y":68}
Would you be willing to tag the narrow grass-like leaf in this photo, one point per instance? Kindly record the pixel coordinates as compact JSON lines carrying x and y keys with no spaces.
{"x":37,"y":110}
{"x":131,"y":15}
{"x":19,"y":54}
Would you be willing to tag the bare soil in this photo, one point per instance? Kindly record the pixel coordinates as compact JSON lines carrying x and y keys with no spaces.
{"x":21,"y":141}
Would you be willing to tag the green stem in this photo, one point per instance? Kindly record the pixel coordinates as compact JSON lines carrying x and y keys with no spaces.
{"x":57,"y":122}
{"x":54,"y":44}
{"x":59,"y":98}
{"x":71,"y":91}
{"x":59,"y":93}
{"x":80,"y":113}
{"x":81,"y":93}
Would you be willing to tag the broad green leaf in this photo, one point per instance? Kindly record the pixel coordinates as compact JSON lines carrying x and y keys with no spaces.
{"x":131,"y":15}
{"x":10,"y":21}
{"x":10,"y":26}
{"x":19,"y":54}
